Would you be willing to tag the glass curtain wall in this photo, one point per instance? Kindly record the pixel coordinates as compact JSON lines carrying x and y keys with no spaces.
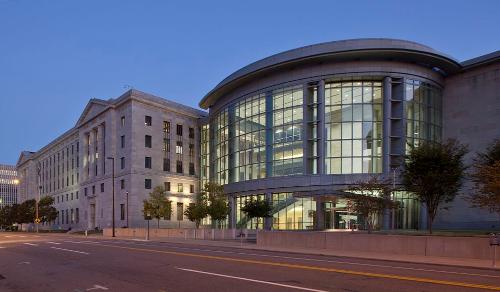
{"x":287,"y":131}
{"x":423,"y":113}
{"x":291,"y":213}
{"x":242,"y":221}
{"x":250,"y":139}
{"x":406,"y":216}
{"x":353,"y":121}
{"x":221,"y":145}
{"x":205,"y":155}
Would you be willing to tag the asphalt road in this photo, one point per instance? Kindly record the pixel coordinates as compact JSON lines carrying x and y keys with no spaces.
{"x":30,"y":262}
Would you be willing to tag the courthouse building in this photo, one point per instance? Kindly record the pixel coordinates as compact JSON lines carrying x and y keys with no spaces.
{"x":296,"y":128}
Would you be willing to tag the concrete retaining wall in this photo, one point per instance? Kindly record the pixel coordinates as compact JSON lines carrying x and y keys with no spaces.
{"x":187,"y":233}
{"x":436,"y":246}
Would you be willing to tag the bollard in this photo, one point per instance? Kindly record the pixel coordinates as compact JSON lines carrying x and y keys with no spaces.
{"x":494,"y":242}
{"x":86,"y":232}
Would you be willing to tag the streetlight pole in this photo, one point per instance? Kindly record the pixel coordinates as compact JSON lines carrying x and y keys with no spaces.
{"x":38,"y":200}
{"x":127,"y":208}
{"x":113,"y":201}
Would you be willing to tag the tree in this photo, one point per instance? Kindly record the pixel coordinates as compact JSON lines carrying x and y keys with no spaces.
{"x":197,"y":211}
{"x":8,"y":215}
{"x":434,"y":173}
{"x":486,"y":178}
{"x":46,"y":211}
{"x":157,"y":205}
{"x":257,"y":209}
{"x":370,"y":198}
{"x":26,"y":212}
{"x":218,"y":207}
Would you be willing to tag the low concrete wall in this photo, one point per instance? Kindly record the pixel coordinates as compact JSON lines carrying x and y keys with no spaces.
{"x":186,"y":233}
{"x":436,"y":246}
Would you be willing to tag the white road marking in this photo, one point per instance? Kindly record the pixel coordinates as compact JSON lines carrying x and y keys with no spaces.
{"x":328,"y":261}
{"x":24,"y":263}
{"x":76,"y":251}
{"x":51,"y":242}
{"x":252,"y":280}
{"x":97,"y":287}
{"x":32,"y":244}
{"x":2,"y":246}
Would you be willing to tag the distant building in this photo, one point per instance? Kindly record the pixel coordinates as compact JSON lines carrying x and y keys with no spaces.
{"x":9,"y":184}
{"x":154,"y":142}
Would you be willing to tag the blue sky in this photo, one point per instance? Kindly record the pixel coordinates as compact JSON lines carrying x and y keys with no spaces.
{"x":55,"y":55}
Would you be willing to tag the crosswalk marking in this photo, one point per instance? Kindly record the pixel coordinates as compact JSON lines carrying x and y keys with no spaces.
{"x":51,"y":242}
{"x":32,"y":244}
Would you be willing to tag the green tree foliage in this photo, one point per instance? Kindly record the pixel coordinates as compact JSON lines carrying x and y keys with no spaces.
{"x":8,"y":215}
{"x":434,"y":173}
{"x":369,"y":199}
{"x":257,"y":209}
{"x":197,"y":211}
{"x":46,"y":211}
{"x":486,"y":177}
{"x":157,"y":205}
{"x":218,"y":207}
{"x":26,"y":212}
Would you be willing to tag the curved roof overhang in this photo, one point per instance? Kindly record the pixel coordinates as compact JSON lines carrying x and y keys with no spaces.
{"x":337,"y":51}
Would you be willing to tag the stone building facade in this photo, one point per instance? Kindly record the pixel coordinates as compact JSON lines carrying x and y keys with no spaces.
{"x":151,"y":141}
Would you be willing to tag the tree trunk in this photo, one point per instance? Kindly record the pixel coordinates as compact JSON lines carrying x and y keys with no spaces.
{"x":158,"y":223}
{"x":429,"y":222}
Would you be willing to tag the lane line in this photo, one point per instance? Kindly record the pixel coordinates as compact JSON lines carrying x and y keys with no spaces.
{"x":32,"y":244}
{"x":51,"y":242}
{"x":311,"y":268}
{"x":252,"y":280}
{"x":326,"y":261}
{"x":70,"y":250}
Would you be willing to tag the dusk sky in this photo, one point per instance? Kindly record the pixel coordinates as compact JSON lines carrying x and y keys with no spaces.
{"x":56,"y":55}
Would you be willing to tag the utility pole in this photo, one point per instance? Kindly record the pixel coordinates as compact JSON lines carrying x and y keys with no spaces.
{"x":127,"y":208}
{"x":113,"y":200}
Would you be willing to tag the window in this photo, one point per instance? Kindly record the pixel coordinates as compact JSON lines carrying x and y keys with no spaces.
{"x":191,"y":168}
{"x":122,"y":211}
{"x":123,"y":121}
{"x":179,"y":130}
{"x":191,"y":133}
{"x":180,"y":188}
{"x":77,"y":195}
{"x":84,"y":191}
{"x":166,"y":164}
{"x":122,"y":184}
{"x":122,"y":162}
{"x":191,"y":189}
{"x":166,"y":144}
{"x":166,"y":127}
{"x":77,"y":215}
{"x":147,"y":183}
{"x":147,"y":141}
{"x":71,"y":196}
{"x":93,"y":192}
{"x":102,"y":187}
{"x":148,"y":121}
{"x":179,"y":167}
{"x":147,"y":162}
{"x":122,"y":141}
{"x":166,"y":186}
{"x":191,"y":150}
{"x":180,"y":211}
{"x":178,"y":147}
{"x":72,"y":216}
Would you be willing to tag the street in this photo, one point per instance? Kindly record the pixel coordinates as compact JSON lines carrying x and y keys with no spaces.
{"x":56,"y":262}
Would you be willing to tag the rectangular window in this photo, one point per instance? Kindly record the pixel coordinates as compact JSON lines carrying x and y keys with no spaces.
{"x":191,"y":150}
{"x":122,"y":141}
{"x":180,"y":187}
{"x":122,"y":184}
{"x":179,"y":130}
{"x":166,"y":127}
{"x":102,"y":187}
{"x":122,"y":162}
{"x":122,"y":211}
{"x":85,"y":191}
{"x":180,"y":211}
{"x":166,"y":164}
{"x":77,"y":195}
{"x":147,"y":141}
{"x":166,"y":185}
{"x":71,"y":196}
{"x":147,"y":162}
{"x":123,"y":121}
{"x":93,"y":192}
{"x":191,"y":189}
{"x":191,"y":168}
{"x":147,"y":183}
{"x":166,"y":144}
{"x":178,"y":147}
{"x":179,"y":167}
{"x":77,"y":215}
{"x":148,"y":121}
{"x":191,"y":133}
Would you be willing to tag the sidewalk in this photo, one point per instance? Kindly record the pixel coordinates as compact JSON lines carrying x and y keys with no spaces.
{"x":457,"y":262}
